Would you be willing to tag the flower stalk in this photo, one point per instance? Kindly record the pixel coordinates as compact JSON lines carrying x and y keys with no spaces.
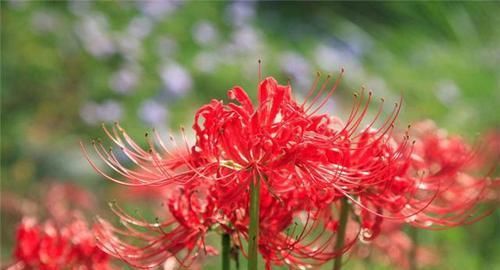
{"x":253,"y":231}
{"x":413,"y":252}
{"x":226,"y":250}
{"x":339,"y":244}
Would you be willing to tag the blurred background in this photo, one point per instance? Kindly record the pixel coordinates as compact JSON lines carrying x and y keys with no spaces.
{"x":69,"y":66}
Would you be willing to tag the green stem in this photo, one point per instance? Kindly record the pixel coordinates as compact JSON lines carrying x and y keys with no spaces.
{"x":253,"y":231}
{"x":339,"y":244}
{"x":413,"y":252}
{"x":226,"y":249}
{"x":236,"y":257}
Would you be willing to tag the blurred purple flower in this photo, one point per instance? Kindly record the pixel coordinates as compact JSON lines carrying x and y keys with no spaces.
{"x":447,"y":92}
{"x":18,"y":4}
{"x":157,"y":9}
{"x":93,"y":32}
{"x":124,"y":80}
{"x":154,"y":113}
{"x":78,"y":7}
{"x":130,"y":47}
{"x":204,"y":33}
{"x":140,"y":27}
{"x":166,"y":47}
{"x":298,"y":68}
{"x":176,"y":79}
{"x":94,"y":113}
{"x":333,"y":59}
{"x":45,"y":21}
{"x":240,"y":13}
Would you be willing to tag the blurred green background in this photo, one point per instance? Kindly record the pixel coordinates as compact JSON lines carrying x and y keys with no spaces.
{"x":69,"y":66}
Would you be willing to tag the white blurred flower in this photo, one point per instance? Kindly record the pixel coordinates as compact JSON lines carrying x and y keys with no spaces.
{"x":246,"y":39}
{"x":18,"y":4}
{"x":154,"y":113}
{"x":93,"y":113}
{"x":157,"y":9}
{"x":240,"y":13}
{"x":206,"y":62}
{"x":447,"y":92}
{"x":124,"y":80}
{"x":166,"y":47}
{"x":139,"y":27}
{"x":45,"y":21}
{"x":129,"y":47}
{"x":205,"y":33}
{"x":332,"y":59}
{"x":176,"y":79}
{"x":379,"y":87}
{"x":78,"y":7}
{"x":297,"y":67}
{"x":93,"y":32}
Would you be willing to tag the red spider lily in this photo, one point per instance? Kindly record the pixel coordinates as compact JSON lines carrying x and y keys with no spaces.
{"x":307,"y":162}
{"x":61,"y":200}
{"x":49,"y":247}
{"x":445,"y":164}
{"x":181,"y":236}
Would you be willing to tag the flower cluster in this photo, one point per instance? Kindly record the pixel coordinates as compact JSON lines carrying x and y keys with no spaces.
{"x":305,"y":167}
{"x":50,"y":247}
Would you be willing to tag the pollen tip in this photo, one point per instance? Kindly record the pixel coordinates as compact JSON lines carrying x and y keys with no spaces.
{"x":146,"y":134}
{"x":318,"y":74}
{"x":342,"y":70}
{"x":259,"y":61}
{"x":414,"y":142}
{"x":382,"y":99}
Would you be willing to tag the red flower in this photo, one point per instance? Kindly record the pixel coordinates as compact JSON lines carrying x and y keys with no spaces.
{"x":282,"y":142}
{"x":307,"y":163}
{"x":48,"y":247}
{"x":443,"y":165}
